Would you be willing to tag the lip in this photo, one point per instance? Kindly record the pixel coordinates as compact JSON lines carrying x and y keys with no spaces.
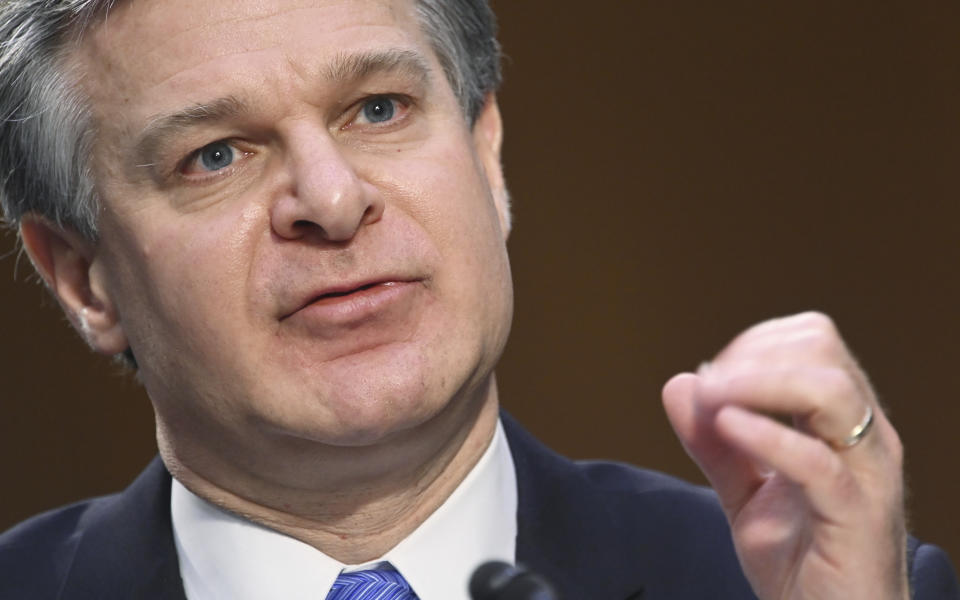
{"x":354,"y":301}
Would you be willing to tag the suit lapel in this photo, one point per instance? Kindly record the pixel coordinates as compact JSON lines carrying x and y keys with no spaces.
{"x":565,"y":530}
{"x":126,"y":548}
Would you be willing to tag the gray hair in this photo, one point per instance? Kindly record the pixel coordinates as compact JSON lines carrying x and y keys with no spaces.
{"x":46,"y":133}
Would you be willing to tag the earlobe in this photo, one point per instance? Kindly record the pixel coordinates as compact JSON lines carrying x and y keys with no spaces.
{"x":488,"y":137}
{"x":67,"y":264}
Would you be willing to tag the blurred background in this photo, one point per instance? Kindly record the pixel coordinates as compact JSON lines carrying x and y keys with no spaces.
{"x":680,"y":170}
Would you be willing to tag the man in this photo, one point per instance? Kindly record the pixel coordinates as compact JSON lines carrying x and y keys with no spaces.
{"x":291,"y":217}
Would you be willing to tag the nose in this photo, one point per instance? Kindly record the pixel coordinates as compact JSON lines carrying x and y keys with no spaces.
{"x":325,"y":195}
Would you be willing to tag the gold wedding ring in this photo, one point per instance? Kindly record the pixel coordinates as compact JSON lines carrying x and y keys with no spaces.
{"x":857,"y":433}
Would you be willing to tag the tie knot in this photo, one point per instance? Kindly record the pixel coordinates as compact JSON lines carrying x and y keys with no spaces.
{"x":378,"y":584}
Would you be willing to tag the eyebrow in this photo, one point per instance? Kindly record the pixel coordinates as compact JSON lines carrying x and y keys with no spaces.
{"x":342,"y":68}
{"x":164,"y":127}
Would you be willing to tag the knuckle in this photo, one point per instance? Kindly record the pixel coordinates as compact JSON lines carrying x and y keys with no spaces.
{"x":823,"y":343}
{"x":835,"y":385}
{"x":818,"y":321}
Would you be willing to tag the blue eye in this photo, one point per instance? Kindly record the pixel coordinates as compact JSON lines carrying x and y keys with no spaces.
{"x":379,"y":110}
{"x":215,"y":156}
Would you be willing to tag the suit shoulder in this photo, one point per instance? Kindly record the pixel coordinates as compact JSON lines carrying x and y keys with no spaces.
{"x":659,"y":506}
{"x":36,"y":554}
{"x":623,"y":477}
{"x":634,"y":484}
{"x":53,"y":526}
{"x":931,"y":573}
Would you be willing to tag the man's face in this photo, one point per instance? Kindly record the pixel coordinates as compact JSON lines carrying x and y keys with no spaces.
{"x":301,"y":235}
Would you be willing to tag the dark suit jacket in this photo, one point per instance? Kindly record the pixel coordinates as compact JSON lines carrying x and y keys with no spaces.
{"x":597,"y":530}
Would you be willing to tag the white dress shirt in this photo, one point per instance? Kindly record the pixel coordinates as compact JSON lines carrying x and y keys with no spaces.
{"x":225,"y":557}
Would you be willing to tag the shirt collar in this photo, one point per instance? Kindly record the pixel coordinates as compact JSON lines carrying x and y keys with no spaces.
{"x":223,"y":556}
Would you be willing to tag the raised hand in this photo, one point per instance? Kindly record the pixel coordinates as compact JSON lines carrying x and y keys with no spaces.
{"x":816,"y":505}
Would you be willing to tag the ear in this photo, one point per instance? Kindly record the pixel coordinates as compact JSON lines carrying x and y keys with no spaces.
{"x":67,"y":263}
{"x":488,"y":139}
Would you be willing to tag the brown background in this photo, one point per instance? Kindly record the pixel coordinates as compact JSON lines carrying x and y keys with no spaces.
{"x":679,"y":171}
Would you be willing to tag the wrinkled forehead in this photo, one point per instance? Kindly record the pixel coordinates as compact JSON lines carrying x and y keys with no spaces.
{"x":144,"y":52}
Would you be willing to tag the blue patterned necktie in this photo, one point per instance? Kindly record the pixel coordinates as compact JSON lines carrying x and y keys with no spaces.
{"x":378,"y":584}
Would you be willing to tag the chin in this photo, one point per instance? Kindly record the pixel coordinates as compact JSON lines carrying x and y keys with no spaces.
{"x":372,"y":396}
{"x":358,"y":411}
{"x":381,"y":414}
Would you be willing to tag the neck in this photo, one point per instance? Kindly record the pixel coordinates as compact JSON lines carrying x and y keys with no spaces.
{"x":381,"y":493}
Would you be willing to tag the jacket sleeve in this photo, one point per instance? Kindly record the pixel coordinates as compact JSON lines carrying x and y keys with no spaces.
{"x":931,"y":574}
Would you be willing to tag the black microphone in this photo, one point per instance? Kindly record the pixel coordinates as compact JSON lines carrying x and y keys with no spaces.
{"x":497,"y":580}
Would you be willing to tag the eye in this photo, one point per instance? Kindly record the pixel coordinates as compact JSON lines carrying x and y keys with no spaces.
{"x":212,"y":157}
{"x":379,"y":109}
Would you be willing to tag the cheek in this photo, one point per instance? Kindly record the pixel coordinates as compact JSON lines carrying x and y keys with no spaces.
{"x":448,"y":195}
{"x":443,"y":188}
{"x":185,"y":279}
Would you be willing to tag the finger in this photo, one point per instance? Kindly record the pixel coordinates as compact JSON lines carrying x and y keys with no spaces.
{"x":810,"y":337}
{"x":779,"y":327}
{"x":732,"y":474}
{"x":828,"y":484}
{"x":827,"y":402}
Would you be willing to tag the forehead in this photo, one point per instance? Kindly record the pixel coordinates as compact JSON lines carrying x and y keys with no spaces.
{"x":148,"y":54}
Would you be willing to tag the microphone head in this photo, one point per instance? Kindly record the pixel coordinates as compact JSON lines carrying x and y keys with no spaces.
{"x":497,"y":580}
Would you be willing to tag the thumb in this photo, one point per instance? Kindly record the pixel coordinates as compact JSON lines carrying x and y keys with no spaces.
{"x":678,"y":400}
{"x":731,"y":473}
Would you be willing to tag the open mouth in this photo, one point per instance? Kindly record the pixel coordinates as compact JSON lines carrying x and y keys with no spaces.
{"x":362,"y":288}
{"x":357,"y":292}
{"x":346,"y":303}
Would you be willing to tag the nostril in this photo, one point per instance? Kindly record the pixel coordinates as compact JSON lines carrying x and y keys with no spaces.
{"x":372,"y":213}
